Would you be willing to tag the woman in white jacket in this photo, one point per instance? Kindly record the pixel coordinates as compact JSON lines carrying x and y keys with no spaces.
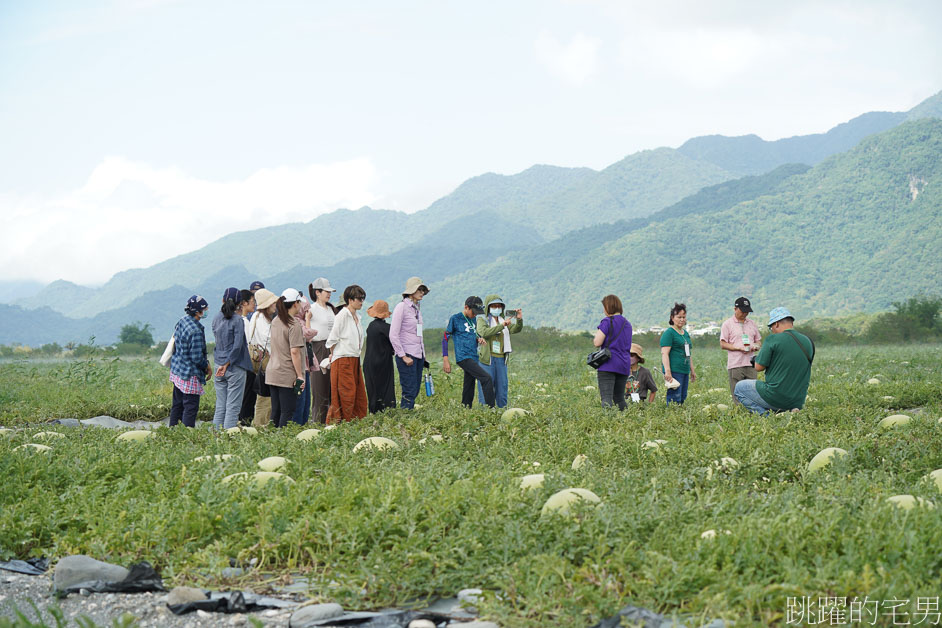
{"x":347,"y":391}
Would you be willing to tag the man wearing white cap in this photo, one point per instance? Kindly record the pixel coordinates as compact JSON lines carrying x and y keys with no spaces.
{"x":786,"y":357}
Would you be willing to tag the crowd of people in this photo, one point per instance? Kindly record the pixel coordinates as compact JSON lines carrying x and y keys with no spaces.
{"x":786,"y":357}
{"x":285,"y":358}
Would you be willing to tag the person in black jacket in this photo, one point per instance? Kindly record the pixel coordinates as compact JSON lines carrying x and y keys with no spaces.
{"x":378,"y":363}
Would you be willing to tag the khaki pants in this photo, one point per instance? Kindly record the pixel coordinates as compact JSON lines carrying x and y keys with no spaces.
{"x":738,"y":374}
{"x":347,"y":391}
{"x":262,"y":412}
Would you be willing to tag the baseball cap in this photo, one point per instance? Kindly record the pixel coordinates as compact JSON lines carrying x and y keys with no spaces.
{"x":778,"y":314}
{"x":475,"y":304}
{"x":256,"y":285}
{"x":743,"y":304}
{"x":322,"y":284}
{"x":291,"y":295}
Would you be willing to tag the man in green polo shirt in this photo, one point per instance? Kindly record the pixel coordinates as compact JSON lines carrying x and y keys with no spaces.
{"x":786,"y":358}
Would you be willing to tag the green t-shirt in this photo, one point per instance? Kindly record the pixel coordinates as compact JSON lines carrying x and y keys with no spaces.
{"x":787,"y":371}
{"x":680,"y":362}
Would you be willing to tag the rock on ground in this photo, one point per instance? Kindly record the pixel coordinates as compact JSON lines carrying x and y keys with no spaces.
{"x":306,"y":615}
{"x":80,"y":568}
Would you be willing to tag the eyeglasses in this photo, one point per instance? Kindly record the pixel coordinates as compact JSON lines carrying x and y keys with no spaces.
{"x":358,"y":298}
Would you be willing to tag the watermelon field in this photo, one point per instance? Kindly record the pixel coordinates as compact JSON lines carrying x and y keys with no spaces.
{"x":704,"y":511}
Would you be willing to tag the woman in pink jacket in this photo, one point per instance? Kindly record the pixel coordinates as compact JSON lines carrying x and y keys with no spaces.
{"x":405,"y":335}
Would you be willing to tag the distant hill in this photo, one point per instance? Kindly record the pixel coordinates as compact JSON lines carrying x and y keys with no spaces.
{"x":548,"y":236}
{"x":553,"y":200}
{"x":854,"y":233}
{"x":383,"y":275}
{"x":750,"y":154}
{"x":324,"y":240}
{"x":545,"y":200}
{"x":11,"y":291}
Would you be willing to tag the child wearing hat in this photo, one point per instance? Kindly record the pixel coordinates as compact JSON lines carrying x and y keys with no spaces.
{"x":641,"y":386}
{"x":462,"y":330}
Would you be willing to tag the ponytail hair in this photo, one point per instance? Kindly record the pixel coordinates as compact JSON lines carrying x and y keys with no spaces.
{"x":283,"y":315}
{"x":228,"y":308}
{"x":312,"y":292}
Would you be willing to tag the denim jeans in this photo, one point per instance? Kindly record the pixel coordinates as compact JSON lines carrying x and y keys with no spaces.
{"x":229,"y":389}
{"x":678,"y":395}
{"x":410,"y":380}
{"x":302,"y":412}
{"x":612,"y":389}
{"x":750,"y":398}
{"x":498,"y":370}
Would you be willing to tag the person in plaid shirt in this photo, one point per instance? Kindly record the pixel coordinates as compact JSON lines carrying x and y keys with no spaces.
{"x":189,"y":365}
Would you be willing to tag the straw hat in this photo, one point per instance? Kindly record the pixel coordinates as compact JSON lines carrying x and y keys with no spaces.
{"x":637,"y":350}
{"x":379,"y":309}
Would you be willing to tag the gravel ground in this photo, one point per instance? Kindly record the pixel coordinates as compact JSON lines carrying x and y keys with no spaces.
{"x":149,"y":609}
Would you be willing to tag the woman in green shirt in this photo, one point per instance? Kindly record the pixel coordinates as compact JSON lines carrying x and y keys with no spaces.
{"x":676,"y":360}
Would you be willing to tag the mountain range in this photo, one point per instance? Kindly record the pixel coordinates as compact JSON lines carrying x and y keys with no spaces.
{"x":852,"y":233}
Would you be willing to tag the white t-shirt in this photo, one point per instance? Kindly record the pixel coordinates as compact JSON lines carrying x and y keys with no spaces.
{"x":322,"y":319}
{"x":259,"y":331}
{"x":346,"y":336}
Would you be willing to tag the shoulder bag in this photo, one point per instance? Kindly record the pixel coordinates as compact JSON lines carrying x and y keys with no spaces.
{"x":603,"y":354}
{"x":168,"y":352}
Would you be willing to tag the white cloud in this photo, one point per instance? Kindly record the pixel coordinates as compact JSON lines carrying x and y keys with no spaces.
{"x":697,"y":57}
{"x":575,"y":62}
{"x":130,"y":214}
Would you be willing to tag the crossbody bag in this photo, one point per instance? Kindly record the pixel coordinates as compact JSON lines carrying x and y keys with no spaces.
{"x":603,"y":354}
{"x":800,"y":346}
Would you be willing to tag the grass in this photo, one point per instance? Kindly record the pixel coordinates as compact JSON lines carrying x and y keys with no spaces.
{"x":384,"y":528}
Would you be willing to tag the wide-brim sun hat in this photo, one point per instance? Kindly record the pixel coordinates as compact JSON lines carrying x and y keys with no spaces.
{"x":379,"y":309}
{"x":264,"y":298}
{"x":638,"y":351}
{"x":778,"y":314}
{"x":414,"y":284}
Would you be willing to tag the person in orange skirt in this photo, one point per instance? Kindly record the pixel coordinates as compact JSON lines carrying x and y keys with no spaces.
{"x":347,"y":391}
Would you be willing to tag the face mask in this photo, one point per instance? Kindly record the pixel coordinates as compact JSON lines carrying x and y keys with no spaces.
{"x":634,"y":360}
{"x":495,"y":311}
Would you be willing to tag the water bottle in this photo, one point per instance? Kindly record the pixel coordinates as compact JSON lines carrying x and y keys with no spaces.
{"x":429,"y":386}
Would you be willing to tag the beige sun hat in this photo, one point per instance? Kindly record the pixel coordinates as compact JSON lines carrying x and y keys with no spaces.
{"x":414,"y":284}
{"x":638,"y":351}
{"x":264,"y":298}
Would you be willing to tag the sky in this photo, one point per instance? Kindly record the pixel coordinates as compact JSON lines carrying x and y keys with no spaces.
{"x":132,"y":131}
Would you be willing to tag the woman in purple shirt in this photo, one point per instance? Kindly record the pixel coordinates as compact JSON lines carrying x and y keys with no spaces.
{"x":405,"y":335}
{"x":613,"y":375}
